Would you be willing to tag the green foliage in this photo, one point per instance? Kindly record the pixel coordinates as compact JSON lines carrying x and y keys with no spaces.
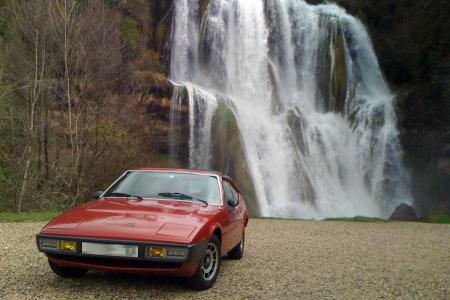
{"x":112,"y":3}
{"x":131,"y":31}
{"x":355,"y":219}
{"x":440,"y":219}
{"x":3,"y":18}
{"x":28,"y":216}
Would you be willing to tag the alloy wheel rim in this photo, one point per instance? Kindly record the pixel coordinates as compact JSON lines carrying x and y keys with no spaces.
{"x":210,"y":262}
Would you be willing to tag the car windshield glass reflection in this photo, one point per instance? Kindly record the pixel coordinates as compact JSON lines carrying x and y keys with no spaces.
{"x":161,"y":185}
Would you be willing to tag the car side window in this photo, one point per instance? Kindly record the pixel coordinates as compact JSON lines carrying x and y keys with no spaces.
{"x":228,"y":192}
{"x":235,"y":193}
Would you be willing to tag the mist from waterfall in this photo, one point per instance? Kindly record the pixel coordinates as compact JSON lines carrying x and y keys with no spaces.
{"x":314,"y":112}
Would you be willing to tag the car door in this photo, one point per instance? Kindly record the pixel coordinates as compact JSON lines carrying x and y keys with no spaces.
{"x":234,"y":215}
{"x":227,"y":238}
{"x":239,"y":214}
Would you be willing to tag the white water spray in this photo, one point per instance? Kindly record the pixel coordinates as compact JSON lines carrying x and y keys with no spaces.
{"x":314,"y":112}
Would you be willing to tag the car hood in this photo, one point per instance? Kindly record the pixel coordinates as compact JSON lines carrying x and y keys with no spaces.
{"x":131,"y":219}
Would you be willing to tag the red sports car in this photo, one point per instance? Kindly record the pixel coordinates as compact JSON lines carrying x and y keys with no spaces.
{"x":165,"y":221}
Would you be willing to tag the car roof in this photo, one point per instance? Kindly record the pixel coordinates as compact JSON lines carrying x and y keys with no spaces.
{"x":193,"y":171}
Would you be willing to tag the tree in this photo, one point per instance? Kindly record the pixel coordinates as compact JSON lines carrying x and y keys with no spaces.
{"x":63,"y":59}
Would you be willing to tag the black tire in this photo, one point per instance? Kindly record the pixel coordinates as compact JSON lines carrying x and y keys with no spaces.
{"x":203,"y":280}
{"x":66,"y":272}
{"x":238,"y":251}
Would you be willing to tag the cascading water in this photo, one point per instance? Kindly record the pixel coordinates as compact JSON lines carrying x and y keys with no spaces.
{"x":201,"y":108}
{"x":315,"y":116}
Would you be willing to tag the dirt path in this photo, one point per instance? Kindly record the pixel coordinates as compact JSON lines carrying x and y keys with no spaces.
{"x":283,"y":259}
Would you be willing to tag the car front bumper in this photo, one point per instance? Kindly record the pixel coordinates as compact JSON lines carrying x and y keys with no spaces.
{"x":182,"y":267}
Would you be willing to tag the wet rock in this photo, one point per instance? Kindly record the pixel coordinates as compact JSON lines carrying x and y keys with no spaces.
{"x":332,"y":71}
{"x":228,"y":154}
{"x":404,"y":212}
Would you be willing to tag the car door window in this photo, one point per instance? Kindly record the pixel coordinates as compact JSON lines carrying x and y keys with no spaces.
{"x":230,"y":193}
{"x":227,"y":190}
{"x":235,"y":193}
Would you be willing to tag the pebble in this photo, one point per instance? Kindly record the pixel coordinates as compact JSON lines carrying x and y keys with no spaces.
{"x":284,"y":259}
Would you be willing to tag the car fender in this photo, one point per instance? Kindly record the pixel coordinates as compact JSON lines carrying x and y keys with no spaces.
{"x":206,"y":232}
{"x":213,"y":227}
{"x":246,"y":219}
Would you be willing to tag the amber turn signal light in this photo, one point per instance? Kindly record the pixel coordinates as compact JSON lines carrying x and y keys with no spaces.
{"x":157,"y":252}
{"x":68,"y":246}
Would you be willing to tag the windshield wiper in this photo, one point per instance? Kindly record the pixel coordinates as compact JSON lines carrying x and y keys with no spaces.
{"x":117,"y":194}
{"x":181,"y":196}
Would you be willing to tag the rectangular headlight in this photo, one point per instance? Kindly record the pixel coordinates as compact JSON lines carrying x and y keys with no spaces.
{"x":110,"y":249}
{"x":177,"y":252}
{"x":48,"y":244}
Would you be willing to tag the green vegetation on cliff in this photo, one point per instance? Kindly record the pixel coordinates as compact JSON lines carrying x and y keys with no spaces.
{"x":131,"y":32}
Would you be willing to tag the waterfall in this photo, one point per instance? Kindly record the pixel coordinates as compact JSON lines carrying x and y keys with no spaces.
{"x":315,"y":115}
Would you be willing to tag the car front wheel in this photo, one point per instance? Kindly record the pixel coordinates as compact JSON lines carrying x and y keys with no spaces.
{"x":66,"y":272}
{"x":209,"y":267}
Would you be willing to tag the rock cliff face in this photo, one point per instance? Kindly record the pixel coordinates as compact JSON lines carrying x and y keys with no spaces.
{"x":146,"y":29}
{"x":161,"y":23}
{"x":403,"y":212}
{"x":411,"y":39}
{"x":229,"y":155}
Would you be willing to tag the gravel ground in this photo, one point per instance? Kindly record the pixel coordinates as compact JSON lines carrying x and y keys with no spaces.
{"x":283,"y":259}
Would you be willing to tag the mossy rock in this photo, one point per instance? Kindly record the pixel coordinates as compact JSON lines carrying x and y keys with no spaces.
{"x":332,"y":67}
{"x":339,"y":79}
{"x":202,"y":9}
{"x":296,"y":124}
{"x":228,"y":154}
{"x":352,"y":116}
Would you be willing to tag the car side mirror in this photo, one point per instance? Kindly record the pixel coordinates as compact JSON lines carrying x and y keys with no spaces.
{"x":232,"y":203}
{"x":97,"y":194}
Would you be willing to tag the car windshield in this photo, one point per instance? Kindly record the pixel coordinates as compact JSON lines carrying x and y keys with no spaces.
{"x":170,"y":185}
